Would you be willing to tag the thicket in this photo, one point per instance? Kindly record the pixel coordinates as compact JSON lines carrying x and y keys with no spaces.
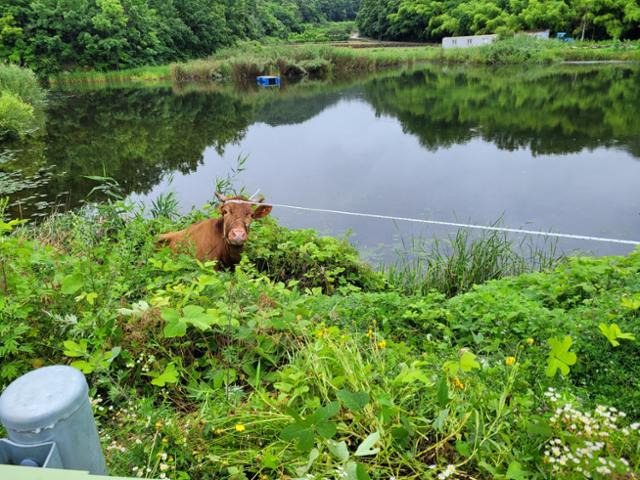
{"x":306,"y":363}
{"x":430,"y":20}
{"x":21,"y":102}
{"x":55,"y":35}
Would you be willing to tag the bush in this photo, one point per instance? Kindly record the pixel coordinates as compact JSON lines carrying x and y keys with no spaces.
{"x":21,"y":82}
{"x":16,"y":116}
{"x":308,"y":260}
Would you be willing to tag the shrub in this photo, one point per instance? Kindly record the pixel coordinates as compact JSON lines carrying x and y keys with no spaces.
{"x":21,"y":82}
{"x":16,"y":117}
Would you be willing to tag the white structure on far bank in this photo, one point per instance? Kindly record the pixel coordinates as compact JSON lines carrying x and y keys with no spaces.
{"x":477,"y":40}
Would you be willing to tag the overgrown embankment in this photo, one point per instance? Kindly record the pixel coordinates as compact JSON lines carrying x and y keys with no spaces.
{"x":306,"y":363}
{"x":296,"y":62}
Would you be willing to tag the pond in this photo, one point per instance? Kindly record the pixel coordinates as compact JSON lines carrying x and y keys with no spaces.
{"x":546,"y":148}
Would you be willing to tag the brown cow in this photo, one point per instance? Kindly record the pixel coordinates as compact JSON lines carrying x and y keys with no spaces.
{"x":220,"y":239}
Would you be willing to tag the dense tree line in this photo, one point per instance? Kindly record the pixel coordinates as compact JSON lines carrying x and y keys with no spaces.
{"x":430,"y":20}
{"x":50,"y":35}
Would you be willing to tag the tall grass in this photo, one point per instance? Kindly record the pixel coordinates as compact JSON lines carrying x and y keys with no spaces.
{"x":454,"y":266}
{"x":294,"y":61}
{"x":139,"y":75}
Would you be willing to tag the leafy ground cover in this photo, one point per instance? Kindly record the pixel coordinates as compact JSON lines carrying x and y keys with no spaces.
{"x":307,"y":363}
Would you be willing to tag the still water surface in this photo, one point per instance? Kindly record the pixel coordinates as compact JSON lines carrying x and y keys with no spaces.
{"x":550,"y":148}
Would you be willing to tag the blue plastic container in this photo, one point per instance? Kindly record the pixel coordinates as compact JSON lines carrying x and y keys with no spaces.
{"x":268,"y":81}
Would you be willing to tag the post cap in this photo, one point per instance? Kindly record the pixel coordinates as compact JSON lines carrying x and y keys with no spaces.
{"x":42,"y":397}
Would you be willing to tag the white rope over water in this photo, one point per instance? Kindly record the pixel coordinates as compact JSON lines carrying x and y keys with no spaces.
{"x":436,"y":222}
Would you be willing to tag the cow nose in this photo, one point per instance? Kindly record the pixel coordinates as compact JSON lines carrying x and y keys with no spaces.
{"x":237,"y":236}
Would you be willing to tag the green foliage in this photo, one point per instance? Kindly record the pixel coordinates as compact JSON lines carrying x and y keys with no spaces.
{"x":463,"y":261}
{"x":114,"y":34}
{"x":431,"y":20}
{"x":268,"y":371}
{"x":21,"y":102}
{"x":16,"y":116}
{"x":560,"y":358}
{"x":613,"y":333}
{"x":308,"y":260}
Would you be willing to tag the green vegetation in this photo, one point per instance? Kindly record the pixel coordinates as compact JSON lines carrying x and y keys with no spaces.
{"x":454,"y":267}
{"x":306,"y":363}
{"x":54,"y":35}
{"x":332,"y":32}
{"x":430,"y":20}
{"x":294,"y":62}
{"x":21,"y":102}
{"x":243,"y":62}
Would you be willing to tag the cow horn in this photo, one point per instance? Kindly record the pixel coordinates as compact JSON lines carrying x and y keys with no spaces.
{"x":221,"y":197}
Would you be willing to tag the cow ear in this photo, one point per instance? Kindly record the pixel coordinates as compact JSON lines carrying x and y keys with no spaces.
{"x":262,"y":211}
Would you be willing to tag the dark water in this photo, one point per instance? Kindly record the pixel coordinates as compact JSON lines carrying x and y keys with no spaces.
{"x":545,"y":148}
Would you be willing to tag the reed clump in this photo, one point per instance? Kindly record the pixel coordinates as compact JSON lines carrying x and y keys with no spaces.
{"x":455,"y":265}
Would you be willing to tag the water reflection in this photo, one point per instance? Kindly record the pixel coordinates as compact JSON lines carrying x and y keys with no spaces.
{"x":553,"y":147}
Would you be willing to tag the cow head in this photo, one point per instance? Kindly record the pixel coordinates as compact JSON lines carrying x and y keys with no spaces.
{"x":237,"y":218}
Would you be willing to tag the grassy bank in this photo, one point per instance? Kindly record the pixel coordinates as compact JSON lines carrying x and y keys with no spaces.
{"x":294,"y":62}
{"x":306,"y":363}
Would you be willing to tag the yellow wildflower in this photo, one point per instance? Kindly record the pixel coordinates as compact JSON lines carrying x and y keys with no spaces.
{"x":158,"y":424}
{"x":240,"y":427}
{"x":382,"y":344}
{"x":370,"y":333}
{"x":529,"y":341}
{"x":458,"y":383}
{"x":510,"y":361}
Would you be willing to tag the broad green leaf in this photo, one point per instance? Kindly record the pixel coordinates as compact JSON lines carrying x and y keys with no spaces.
{"x":326,"y":429}
{"x":631,"y":303}
{"x":463,"y":448}
{"x":196,"y":316}
{"x":468,"y":362}
{"x":339,"y":450}
{"x":115,"y":351}
{"x":73,"y":349}
{"x":560,"y":358}
{"x":71,"y":284}
{"x":323,"y":414}
{"x":356,"y":471}
{"x":439,"y":421}
{"x":270,"y":461}
{"x":301,"y":433}
{"x":353,"y":401}
{"x":412,"y":374}
{"x":515,"y":471}
{"x":169,"y":375}
{"x":443,"y":392}
{"x":366,"y":447}
{"x":83,"y":366}
{"x":175,"y":326}
{"x":613,"y":333}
